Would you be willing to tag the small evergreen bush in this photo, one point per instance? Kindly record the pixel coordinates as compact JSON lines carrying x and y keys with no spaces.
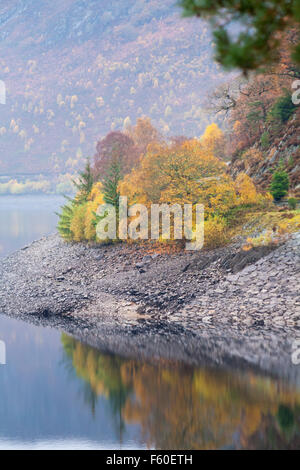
{"x":279,"y":184}
{"x":292,"y":203}
{"x":265,"y":140}
{"x":282,"y":109}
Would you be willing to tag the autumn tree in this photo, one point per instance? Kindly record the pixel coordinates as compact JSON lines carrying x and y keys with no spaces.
{"x":254,"y":102}
{"x":143,"y":134}
{"x":186,"y":173}
{"x":176,"y":140}
{"x":213,"y":139}
{"x":77,"y":224}
{"x":249,"y":105}
{"x":286,"y":68}
{"x":115,"y":148}
{"x":246,"y":189}
{"x":96,"y":198}
{"x":224,"y":98}
{"x":249,"y":115}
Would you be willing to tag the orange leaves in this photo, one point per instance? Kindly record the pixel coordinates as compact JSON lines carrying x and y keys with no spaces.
{"x":172,"y":174}
{"x":143,"y":134}
{"x":213,"y":140}
{"x":246,"y":189}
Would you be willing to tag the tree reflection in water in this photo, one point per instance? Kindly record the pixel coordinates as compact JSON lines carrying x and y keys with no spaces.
{"x":182,"y":407}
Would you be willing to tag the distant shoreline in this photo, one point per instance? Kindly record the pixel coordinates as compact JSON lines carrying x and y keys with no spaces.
{"x":37,"y":194}
{"x":36,"y":184}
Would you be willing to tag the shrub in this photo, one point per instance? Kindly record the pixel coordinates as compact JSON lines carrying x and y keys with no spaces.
{"x":292,"y":203}
{"x":279,"y":184}
{"x":252,"y":157}
{"x":282,"y":109}
{"x":215,"y":232}
{"x":289,"y":225}
{"x":265,"y":140}
{"x":280,"y":231}
{"x":268,"y":237}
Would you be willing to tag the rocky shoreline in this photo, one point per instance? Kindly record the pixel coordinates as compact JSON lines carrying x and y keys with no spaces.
{"x":219,"y":307}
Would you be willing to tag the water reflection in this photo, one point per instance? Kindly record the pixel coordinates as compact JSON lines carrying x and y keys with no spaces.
{"x":41,"y":404}
{"x":102,"y":376}
{"x":180,"y":407}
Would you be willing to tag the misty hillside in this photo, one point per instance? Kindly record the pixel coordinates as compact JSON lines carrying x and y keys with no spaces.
{"x":76,"y":69}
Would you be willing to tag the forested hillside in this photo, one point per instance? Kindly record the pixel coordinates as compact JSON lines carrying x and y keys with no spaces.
{"x":75,"y":70}
{"x":264,"y":120}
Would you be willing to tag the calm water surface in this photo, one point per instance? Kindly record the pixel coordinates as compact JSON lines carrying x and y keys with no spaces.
{"x":56,"y":392}
{"x":26,"y":218}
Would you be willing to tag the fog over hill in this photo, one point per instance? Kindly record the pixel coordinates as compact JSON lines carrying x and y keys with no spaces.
{"x":76,"y":69}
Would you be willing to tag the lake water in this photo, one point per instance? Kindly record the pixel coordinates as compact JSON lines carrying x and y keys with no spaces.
{"x":56,"y":392}
{"x":24,"y":219}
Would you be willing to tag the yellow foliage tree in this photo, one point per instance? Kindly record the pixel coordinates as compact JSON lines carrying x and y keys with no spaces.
{"x":246,"y":189}
{"x":78,"y":223}
{"x":95,"y":200}
{"x":172,"y":174}
{"x":213,"y":140}
{"x":218,"y":194}
{"x":143,"y":133}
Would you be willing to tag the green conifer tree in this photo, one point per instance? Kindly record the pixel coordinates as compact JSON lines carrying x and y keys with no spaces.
{"x":111,"y":183}
{"x":65,"y":219}
{"x":279,"y":184}
{"x":84,"y":184}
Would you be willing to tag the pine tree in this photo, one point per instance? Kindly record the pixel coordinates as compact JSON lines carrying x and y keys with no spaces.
{"x":261,"y":22}
{"x":283,"y":108}
{"x":111,"y":192}
{"x":279,"y":184}
{"x":84,"y":184}
{"x":111,"y":183}
{"x":65,"y":219}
